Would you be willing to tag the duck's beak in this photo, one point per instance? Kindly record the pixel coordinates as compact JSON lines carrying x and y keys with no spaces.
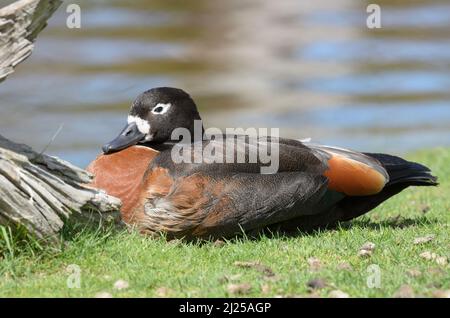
{"x":129,"y":136}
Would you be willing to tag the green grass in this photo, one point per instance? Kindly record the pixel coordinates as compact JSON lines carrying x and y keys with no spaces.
{"x":155,"y":267}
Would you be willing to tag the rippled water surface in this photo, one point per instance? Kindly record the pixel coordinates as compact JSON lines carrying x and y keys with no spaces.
{"x":310,"y":68}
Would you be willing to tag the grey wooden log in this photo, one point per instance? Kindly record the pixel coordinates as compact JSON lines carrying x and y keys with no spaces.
{"x":39,"y":192}
{"x":20,"y":23}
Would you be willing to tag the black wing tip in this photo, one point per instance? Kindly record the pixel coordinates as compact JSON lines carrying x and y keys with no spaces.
{"x":422,"y":179}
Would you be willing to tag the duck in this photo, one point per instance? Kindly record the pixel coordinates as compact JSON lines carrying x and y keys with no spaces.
{"x":314,"y":186}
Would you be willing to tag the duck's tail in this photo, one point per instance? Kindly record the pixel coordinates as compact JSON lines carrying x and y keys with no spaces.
{"x":402,"y":174}
{"x":405,"y":172}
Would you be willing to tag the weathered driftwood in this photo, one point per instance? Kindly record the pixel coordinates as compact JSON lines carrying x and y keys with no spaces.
{"x":20,"y":23}
{"x":39,"y":192}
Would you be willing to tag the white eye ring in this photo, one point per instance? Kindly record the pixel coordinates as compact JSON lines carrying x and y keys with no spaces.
{"x":161,"y":108}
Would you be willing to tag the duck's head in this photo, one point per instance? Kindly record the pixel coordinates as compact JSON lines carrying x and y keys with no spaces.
{"x":153,"y":116}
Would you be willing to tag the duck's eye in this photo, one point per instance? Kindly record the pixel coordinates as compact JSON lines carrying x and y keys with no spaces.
{"x":161,"y":108}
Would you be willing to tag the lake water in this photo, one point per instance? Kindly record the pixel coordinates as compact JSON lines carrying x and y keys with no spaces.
{"x":310,"y":68}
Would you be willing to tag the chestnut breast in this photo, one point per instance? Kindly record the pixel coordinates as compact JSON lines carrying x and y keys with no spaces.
{"x":121,"y":174}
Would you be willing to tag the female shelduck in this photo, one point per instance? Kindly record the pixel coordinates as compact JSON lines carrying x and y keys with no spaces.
{"x":314,"y":186}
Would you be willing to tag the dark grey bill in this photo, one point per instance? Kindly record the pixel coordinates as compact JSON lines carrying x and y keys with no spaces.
{"x":129,"y":136}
